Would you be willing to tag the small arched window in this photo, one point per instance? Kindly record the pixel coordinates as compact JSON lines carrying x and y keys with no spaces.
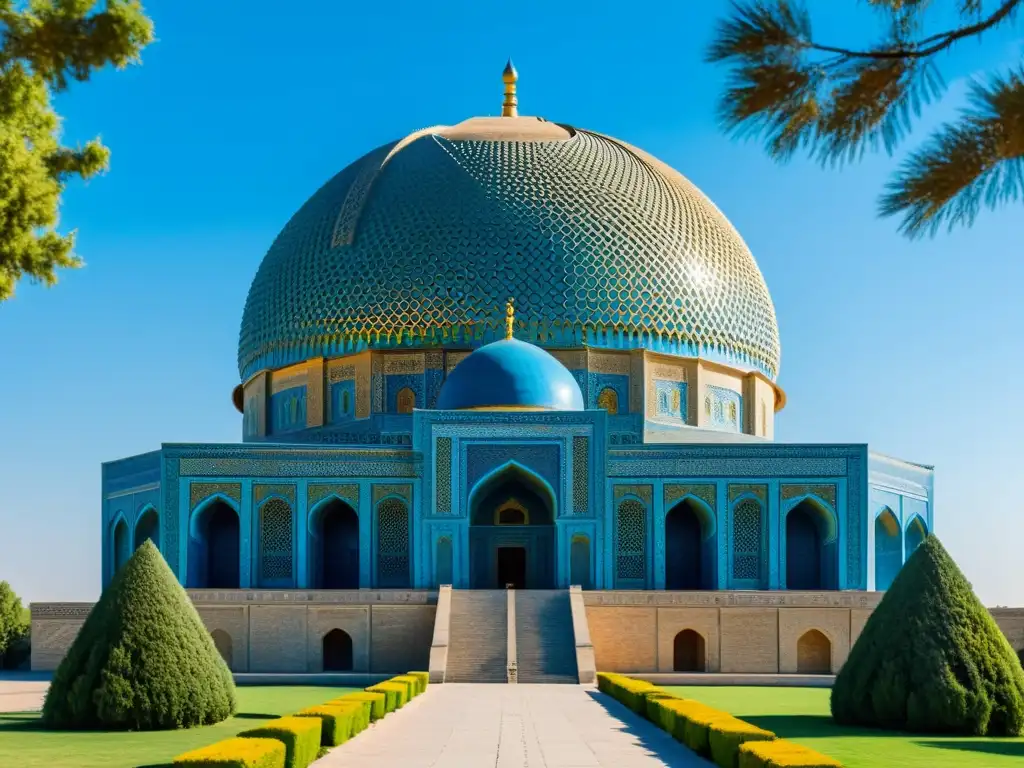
{"x":405,"y":400}
{"x":608,"y":400}
{"x":345,"y":404}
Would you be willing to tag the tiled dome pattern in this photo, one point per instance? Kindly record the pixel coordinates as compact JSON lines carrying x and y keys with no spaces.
{"x":598,"y":243}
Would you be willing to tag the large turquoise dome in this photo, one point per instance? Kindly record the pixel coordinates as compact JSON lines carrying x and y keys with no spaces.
{"x":420,"y":242}
{"x":510,"y":375}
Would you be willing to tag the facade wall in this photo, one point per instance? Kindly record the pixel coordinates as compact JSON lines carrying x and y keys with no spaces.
{"x":281,"y":631}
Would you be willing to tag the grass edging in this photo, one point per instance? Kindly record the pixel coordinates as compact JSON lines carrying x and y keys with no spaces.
{"x":726,"y":740}
{"x":296,"y":741}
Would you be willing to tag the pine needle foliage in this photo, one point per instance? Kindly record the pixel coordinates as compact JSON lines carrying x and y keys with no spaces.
{"x":835,"y":103}
{"x":931,"y":658}
{"x":45,"y":45}
{"x":143,"y":660}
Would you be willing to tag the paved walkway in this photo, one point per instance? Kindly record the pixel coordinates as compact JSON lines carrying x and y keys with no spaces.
{"x":525,"y":726}
{"x":22,"y":695}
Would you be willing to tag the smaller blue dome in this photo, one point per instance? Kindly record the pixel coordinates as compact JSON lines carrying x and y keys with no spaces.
{"x":510,"y":375}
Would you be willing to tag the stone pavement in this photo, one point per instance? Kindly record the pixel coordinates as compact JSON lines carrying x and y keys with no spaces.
{"x":21,"y":694}
{"x":526,"y":726}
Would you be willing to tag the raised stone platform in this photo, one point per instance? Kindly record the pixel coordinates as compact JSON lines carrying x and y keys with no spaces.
{"x":712,"y":679}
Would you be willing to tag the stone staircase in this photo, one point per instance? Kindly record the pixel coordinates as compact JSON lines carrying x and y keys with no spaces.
{"x":478,"y":637}
{"x":545,"y":642}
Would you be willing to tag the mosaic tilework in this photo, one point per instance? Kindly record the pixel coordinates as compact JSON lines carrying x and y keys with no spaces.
{"x":276,"y":540}
{"x":342,"y":402}
{"x":724,"y":409}
{"x":367,"y":261}
{"x":169,"y":483}
{"x":262,"y":492}
{"x":392,"y":543}
{"x":544,"y":459}
{"x":826,"y":493}
{"x":317,"y":492}
{"x":200,"y":491}
{"x":747,"y":540}
{"x":630,"y":540}
{"x":443,"y":476}
{"x":580,"y":474}
{"x":704,"y":491}
{"x":670,"y":399}
{"x":288,"y":410}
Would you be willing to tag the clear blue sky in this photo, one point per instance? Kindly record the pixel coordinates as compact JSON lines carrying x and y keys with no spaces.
{"x":242,"y":109}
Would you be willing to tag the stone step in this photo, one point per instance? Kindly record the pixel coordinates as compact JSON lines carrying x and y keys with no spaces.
{"x":478,"y":637}
{"x":545,"y":643}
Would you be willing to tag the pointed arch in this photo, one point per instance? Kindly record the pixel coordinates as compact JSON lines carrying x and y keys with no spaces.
{"x":405,"y":400}
{"x":147,"y":526}
{"x":811,"y":547}
{"x":689,"y":652}
{"x":888,"y":548}
{"x":214,"y":549}
{"x":916,"y":533}
{"x":814,"y":653}
{"x":690,"y":546}
{"x":509,"y":472}
{"x":121,"y":544}
{"x":608,"y":399}
{"x":334,"y":544}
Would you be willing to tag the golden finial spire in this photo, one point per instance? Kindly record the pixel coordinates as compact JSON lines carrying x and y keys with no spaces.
{"x":510,"y":319}
{"x":510,"y":106}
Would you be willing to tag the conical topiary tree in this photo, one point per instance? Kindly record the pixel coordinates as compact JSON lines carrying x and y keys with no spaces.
{"x":931,"y":659}
{"x":143,"y":659}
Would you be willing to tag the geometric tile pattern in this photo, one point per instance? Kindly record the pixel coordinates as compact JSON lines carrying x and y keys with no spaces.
{"x":599,"y":243}
{"x":276,"y":540}
{"x":747,"y":540}
{"x":630,"y":540}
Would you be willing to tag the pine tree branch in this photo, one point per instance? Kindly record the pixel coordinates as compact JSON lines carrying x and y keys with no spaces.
{"x":974,"y":163}
{"x":927,"y":46}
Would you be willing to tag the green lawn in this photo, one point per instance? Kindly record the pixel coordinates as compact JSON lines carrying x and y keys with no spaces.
{"x":802,"y":715}
{"x":25,"y":744}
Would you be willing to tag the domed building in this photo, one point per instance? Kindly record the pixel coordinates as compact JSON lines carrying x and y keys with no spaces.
{"x":516,"y":353}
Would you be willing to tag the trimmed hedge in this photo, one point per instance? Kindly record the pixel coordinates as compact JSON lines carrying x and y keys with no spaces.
{"x":236,"y":753}
{"x":337,"y":723}
{"x":782,"y":754}
{"x":412,"y":685}
{"x":397,"y":694}
{"x":142,"y":661}
{"x":705,"y":730}
{"x":301,"y":737}
{"x":377,"y":702}
{"x":727,"y":734}
{"x":931,"y":658}
{"x":423,"y":677}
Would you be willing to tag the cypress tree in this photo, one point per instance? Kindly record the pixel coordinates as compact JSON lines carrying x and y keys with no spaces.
{"x":143,"y":659}
{"x":931,"y":658}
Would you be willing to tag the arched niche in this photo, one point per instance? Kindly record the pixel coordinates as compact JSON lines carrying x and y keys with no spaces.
{"x":214,"y":549}
{"x":689,"y":652}
{"x":334,"y":554}
{"x":915,"y":535}
{"x":147,"y":527}
{"x":579,"y":561}
{"x":888,"y":549}
{"x":813,"y":653}
{"x":337,"y":651}
{"x":393,"y":543}
{"x":690,"y":548}
{"x":121,"y":542}
{"x":812,"y":561}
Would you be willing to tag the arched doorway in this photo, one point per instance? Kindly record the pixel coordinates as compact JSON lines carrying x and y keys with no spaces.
{"x":336,"y":546}
{"x":813,"y":654}
{"x":122,"y":545}
{"x":888,"y":549}
{"x":915,"y":536}
{"x":222,"y":642}
{"x":337,"y":651}
{"x":689,"y":548}
{"x":512,"y":535}
{"x":147,"y":527}
{"x":213,"y":558}
{"x":810,"y":547}
{"x":688,"y":654}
